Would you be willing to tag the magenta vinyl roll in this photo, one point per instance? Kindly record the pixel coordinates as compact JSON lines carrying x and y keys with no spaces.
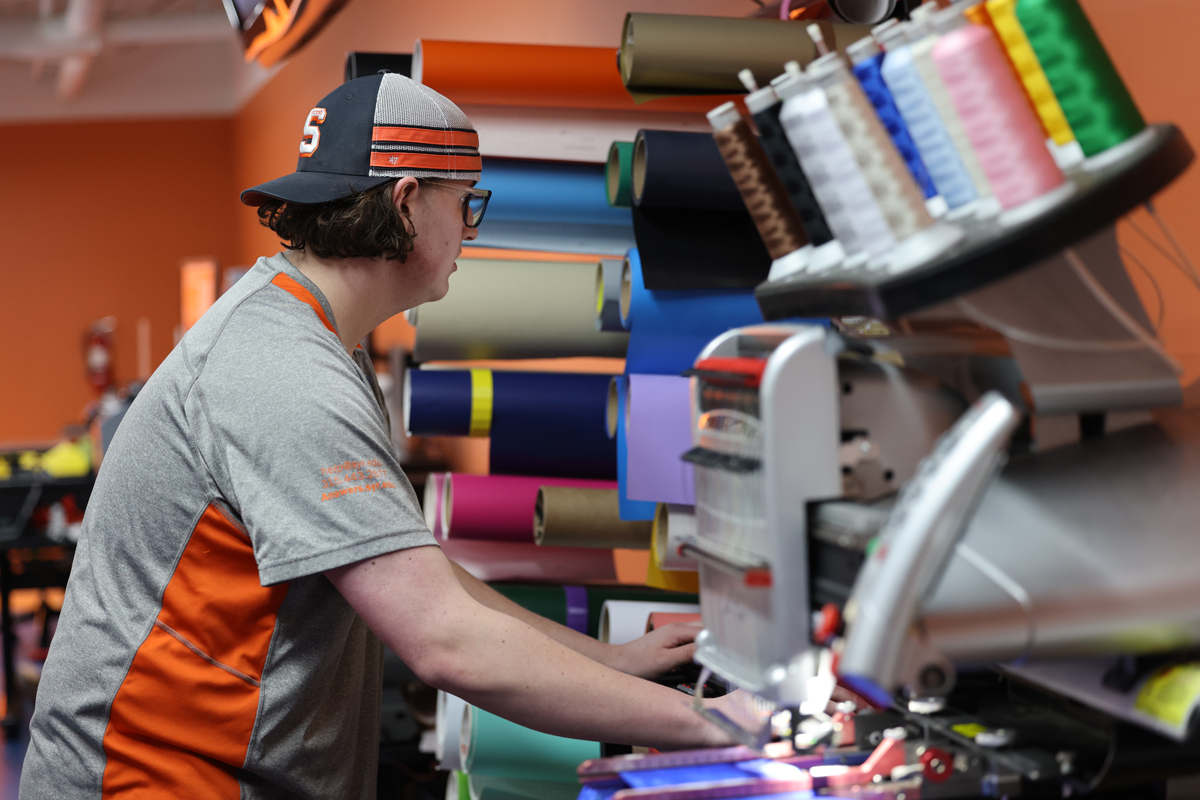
{"x":509,"y":561}
{"x":659,"y":432}
{"x":497,"y":508}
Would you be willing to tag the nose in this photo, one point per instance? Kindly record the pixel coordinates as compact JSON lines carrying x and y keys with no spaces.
{"x":470,"y":234}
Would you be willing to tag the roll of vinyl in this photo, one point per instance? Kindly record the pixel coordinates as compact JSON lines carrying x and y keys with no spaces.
{"x":507,"y":561}
{"x":550,"y":205}
{"x":660,"y":619}
{"x":683,"y":54}
{"x":630,"y":510}
{"x":449,"y":727}
{"x":675,"y":580}
{"x":567,"y":134}
{"x":578,"y":607}
{"x":668,"y":329}
{"x":659,"y":433}
{"x":622,"y":621}
{"x":681,"y":251}
{"x":762,"y":191}
{"x":514,"y":309}
{"x":447,"y":402}
{"x":431,"y":502}
{"x":532,"y":75}
{"x":497,"y":508}
{"x":497,"y":748}
{"x":457,"y":787}
{"x":1008,"y":138}
{"x":618,"y":174}
{"x":486,"y":787}
{"x":567,"y":516}
{"x":608,"y":295}
{"x":674,"y":526}
{"x":1090,"y":91}
{"x":681,"y":170}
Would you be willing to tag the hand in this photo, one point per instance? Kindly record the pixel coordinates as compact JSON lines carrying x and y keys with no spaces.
{"x":658,"y":652}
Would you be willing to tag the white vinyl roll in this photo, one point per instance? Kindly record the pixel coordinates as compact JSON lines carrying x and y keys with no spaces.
{"x":431,"y":503}
{"x":674,"y":525}
{"x":622,"y":621}
{"x":449,"y":731}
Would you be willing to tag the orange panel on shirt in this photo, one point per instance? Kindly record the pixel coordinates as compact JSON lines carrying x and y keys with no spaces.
{"x":180,"y":724}
{"x":294,"y":288}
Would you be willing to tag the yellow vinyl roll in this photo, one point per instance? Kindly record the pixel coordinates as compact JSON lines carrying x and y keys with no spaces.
{"x":481,"y":402}
{"x":1004,"y":19}
{"x":672,"y":580}
{"x":567,"y":516}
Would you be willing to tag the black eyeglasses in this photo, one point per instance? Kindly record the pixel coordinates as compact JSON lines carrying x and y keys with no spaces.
{"x":475,"y":201}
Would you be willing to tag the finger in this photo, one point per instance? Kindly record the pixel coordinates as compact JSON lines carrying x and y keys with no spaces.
{"x":678,"y":633}
{"x":678,"y":656}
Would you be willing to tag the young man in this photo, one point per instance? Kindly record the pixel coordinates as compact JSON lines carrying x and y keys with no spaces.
{"x":251,"y":537}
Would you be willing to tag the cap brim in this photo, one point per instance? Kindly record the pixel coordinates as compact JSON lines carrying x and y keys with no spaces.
{"x":310,"y":187}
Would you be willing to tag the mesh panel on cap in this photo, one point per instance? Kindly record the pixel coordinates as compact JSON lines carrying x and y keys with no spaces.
{"x":404,"y":103}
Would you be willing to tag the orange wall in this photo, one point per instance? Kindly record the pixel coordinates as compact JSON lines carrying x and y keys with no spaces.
{"x":95,"y":218}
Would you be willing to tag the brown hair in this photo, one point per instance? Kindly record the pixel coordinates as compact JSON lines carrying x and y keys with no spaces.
{"x":366,"y":224}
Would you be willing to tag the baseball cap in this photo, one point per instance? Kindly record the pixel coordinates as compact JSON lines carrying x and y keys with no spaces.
{"x":369,"y":131}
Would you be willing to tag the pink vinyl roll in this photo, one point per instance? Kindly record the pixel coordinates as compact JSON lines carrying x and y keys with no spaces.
{"x":1008,"y":138}
{"x":657,"y":433}
{"x":508,"y":561}
{"x":497,"y":508}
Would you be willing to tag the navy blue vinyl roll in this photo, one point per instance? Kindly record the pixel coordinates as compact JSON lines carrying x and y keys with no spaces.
{"x":551,"y":424}
{"x":668,"y":329}
{"x":438,"y":403}
{"x":672,"y":169}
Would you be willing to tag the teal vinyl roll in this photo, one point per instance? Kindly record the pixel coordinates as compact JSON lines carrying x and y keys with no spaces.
{"x":497,"y":748}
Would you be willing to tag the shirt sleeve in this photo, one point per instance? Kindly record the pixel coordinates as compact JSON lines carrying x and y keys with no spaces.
{"x":298,"y":446}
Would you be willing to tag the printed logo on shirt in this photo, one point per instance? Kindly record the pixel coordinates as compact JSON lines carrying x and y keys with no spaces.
{"x":353,"y":477}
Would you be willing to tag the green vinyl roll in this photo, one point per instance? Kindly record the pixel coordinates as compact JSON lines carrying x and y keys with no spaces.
{"x":545,"y":600}
{"x":550,"y":601}
{"x":1094,"y":99}
{"x":618,"y":174}
{"x":483,"y":787}
{"x":498,"y":748}
{"x":686,"y":54}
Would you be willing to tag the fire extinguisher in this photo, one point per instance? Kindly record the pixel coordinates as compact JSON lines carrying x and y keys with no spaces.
{"x":98,"y":347}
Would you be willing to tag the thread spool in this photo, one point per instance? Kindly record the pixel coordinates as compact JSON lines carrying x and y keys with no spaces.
{"x":921,"y":42}
{"x":1094,"y":99}
{"x":929,"y":133}
{"x":867,"y":60}
{"x":1003,"y":16}
{"x":837,"y":181}
{"x":764,"y":106}
{"x":892,"y":185}
{"x":778,"y":224}
{"x":1003,"y":130}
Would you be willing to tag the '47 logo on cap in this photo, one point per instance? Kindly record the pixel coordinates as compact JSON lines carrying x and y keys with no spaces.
{"x":312,"y":134}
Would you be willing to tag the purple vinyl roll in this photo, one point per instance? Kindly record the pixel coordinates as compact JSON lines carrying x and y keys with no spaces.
{"x":577,"y":608}
{"x":659,"y":432}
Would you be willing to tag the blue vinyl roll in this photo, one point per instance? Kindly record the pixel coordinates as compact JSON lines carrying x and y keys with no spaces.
{"x":630,"y":510}
{"x":551,"y":205}
{"x":669,"y":328}
{"x":552,"y":424}
{"x":945,"y":166}
{"x":871,"y":79}
{"x":438,"y":403}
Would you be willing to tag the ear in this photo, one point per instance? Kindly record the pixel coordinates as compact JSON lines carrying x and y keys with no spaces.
{"x":403,"y":191}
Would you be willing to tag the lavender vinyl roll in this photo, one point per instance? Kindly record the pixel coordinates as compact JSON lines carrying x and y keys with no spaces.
{"x":629,"y":510}
{"x":659,"y":432}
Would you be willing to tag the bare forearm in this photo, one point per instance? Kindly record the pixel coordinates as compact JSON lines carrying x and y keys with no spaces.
{"x":579,"y":642}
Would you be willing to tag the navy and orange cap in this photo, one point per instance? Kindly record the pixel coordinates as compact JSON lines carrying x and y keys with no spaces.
{"x":371,"y":130}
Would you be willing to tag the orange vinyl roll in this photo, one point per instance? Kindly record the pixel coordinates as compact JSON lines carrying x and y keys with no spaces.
{"x":660,"y":618}
{"x":553,"y":76}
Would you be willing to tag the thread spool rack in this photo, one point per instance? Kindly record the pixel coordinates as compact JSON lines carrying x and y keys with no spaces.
{"x":1104,"y":193}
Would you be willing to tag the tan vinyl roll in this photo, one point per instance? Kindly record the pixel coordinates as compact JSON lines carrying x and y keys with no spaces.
{"x":569,"y":517}
{"x":515,"y":309}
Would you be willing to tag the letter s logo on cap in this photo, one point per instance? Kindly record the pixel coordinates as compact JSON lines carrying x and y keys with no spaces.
{"x":312,"y":134}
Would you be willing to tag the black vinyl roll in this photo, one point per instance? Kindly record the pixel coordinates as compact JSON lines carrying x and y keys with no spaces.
{"x":682,"y":170}
{"x":683,"y":248}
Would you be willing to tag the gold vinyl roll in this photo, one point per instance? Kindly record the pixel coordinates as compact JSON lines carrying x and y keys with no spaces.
{"x":685,"y":54}
{"x":569,"y":517}
{"x":515,"y":309}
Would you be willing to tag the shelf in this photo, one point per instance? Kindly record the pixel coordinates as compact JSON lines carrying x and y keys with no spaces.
{"x":1141,"y":169}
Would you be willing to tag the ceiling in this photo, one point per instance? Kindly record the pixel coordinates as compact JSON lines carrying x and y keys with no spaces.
{"x":94,"y":59}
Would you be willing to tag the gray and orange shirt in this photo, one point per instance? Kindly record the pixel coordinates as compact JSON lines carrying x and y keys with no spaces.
{"x":201,"y":652}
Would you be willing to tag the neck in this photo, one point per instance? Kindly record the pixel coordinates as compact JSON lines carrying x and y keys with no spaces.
{"x":356,"y":289}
